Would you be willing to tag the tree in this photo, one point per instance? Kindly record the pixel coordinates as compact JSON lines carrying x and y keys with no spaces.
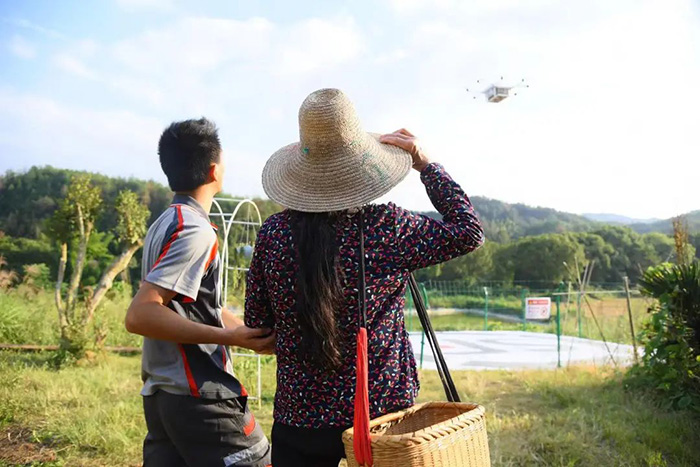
{"x":596,"y":249}
{"x":662,"y":244}
{"x":541,"y":258}
{"x":631,"y":254}
{"x":74,"y":222}
{"x":471,"y":268}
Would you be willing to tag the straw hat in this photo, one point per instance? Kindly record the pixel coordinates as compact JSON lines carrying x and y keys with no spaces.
{"x":336,"y":165}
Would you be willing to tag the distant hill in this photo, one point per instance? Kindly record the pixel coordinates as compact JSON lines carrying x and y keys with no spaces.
{"x":504,"y":221}
{"x":617,"y":219}
{"x":666,"y":225}
{"x":28,"y":198}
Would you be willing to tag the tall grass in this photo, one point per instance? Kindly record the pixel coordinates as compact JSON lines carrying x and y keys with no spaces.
{"x":30,"y":317}
{"x":577,"y":416}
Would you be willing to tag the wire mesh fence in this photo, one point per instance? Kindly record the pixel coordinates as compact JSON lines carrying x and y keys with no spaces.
{"x":605,"y":312}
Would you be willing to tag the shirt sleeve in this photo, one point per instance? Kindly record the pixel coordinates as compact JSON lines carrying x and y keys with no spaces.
{"x":258,"y":310}
{"x":423,"y":241}
{"x":184,"y":260}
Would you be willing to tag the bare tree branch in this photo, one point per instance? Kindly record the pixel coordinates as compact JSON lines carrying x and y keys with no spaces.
{"x":119,"y":264}
{"x":59,"y":283}
{"x":85,"y":231}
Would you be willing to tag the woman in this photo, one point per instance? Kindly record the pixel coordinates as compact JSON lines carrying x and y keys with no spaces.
{"x":303,"y":278}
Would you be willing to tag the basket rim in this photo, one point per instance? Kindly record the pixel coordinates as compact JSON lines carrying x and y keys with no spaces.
{"x":475,"y":412}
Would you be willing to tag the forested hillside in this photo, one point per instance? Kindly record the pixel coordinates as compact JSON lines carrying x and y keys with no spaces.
{"x":524,"y":244}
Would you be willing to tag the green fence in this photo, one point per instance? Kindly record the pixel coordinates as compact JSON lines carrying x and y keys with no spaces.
{"x":604,"y":312}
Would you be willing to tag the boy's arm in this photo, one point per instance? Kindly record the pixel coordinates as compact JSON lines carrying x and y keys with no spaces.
{"x":232,"y":321}
{"x":149,"y":316}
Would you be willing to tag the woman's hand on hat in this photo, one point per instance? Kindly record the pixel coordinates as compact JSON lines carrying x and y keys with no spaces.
{"x":405,"y":140}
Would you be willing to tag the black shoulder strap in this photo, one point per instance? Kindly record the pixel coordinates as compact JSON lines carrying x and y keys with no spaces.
{"x":444,"y":372}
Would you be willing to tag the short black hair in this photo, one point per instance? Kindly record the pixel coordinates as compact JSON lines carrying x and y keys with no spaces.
{"x":186,"y":150}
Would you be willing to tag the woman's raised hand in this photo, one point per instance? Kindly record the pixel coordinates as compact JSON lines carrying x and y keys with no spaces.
{"x":405,"y":140}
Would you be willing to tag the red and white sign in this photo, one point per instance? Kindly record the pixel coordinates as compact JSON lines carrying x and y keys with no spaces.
{"x":538,"y":308}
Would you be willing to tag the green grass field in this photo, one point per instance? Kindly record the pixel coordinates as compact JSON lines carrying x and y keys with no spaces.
{"x":92,"y":415}
{"x":579,"y":416}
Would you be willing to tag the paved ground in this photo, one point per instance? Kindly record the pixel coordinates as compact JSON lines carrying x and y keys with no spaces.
{"x":490,"y":350}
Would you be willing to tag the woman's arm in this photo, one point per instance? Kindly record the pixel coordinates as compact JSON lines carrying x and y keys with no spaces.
{"x":258,"y":309}
{"x":423,"y":241}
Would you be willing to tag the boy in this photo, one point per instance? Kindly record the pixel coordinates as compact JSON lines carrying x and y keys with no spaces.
{"x":196,"y":410}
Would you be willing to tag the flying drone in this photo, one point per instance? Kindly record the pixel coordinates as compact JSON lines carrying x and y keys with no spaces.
{"x":495,"y":93}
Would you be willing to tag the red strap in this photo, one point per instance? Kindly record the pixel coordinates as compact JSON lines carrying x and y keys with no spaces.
{"x":361,"y":440}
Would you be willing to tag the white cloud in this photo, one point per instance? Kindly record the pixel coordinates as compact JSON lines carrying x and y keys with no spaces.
{"x":606,"y":113}
{"x":472,"y":6}
{"x":194,"y":45}
{"x":600,"y":128}
{"x":316,"y":44}
{"x":142,"y":5}
{"x":119,"y":143}
{"x":73,"y":65}
{"x":23,"y":23}
{"x":21,"y":48}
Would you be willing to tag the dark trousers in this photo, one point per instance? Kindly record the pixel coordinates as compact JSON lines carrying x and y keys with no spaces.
{"x":306,"y":447}
{"x":193,"y":432}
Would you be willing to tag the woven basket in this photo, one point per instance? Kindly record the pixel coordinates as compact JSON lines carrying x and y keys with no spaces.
{"x":445,"y":434}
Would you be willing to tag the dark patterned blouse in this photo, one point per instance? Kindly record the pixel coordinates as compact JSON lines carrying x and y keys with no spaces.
{"x":396,"y":243}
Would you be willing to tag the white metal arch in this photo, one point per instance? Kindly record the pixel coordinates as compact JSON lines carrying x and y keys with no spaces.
{"x":251,"y":219}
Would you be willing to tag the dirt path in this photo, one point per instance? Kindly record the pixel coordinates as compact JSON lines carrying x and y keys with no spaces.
{"x":18,"y":448}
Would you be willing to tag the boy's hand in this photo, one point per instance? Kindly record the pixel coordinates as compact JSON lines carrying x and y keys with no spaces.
{"x":259,"y":340}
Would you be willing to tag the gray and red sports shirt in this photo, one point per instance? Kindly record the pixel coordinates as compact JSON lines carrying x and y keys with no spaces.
{"x":181,"y":254}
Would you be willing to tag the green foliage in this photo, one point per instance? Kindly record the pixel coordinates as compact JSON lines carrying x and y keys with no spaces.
{"x":541,"y":258}
{"x":29,"y":199}
{"x":666,"y":225}
{"x":504,"y":222}
{"x":37,"y":276}
{"x":20,"y":251}
{"x":671,"y":362}
{"x":132,"y":216}
{"x":630,"y":253}
{"x":469,"y":268}
{"x":83,"y":202}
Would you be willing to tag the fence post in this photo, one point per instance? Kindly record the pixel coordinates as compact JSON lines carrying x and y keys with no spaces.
{"x":424,"y":292}
{"x":558,"y":299}
{"x":578,"y":308}
{"x":629,"y":313}
{"x":523,"y":294}
{"x":486,"y":309}
{"x":259,"y":383}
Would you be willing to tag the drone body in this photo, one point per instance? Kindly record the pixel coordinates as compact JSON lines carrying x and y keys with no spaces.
{"x":497,"y":92}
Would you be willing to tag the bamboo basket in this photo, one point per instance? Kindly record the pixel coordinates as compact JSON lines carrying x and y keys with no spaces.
{"x":440,"y":434}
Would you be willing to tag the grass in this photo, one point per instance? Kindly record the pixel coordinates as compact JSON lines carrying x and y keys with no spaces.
{"x":29,"y":317}
{"x":578,"y":416}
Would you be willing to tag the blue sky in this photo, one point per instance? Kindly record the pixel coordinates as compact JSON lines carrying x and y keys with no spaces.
{"x":606,"y":125}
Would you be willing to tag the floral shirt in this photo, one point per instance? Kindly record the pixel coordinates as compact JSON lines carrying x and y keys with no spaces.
{"x":397,"y":242}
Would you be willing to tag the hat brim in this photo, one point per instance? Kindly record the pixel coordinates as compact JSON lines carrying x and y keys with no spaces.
{"x":356,"y":175}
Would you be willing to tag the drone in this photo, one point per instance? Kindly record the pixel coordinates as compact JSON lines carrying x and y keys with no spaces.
{"x":495,"y":93}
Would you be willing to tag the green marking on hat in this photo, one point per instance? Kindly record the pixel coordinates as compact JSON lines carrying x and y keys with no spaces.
{"x":365,"y":157}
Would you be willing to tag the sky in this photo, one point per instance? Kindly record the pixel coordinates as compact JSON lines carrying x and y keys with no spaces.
{"x":605,"y":125}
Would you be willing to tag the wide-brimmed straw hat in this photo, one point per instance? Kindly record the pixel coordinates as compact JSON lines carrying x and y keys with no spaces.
{"x":336,"y":165}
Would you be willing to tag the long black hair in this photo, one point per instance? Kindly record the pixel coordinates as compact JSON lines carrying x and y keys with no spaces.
{"x":319,"y":293}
